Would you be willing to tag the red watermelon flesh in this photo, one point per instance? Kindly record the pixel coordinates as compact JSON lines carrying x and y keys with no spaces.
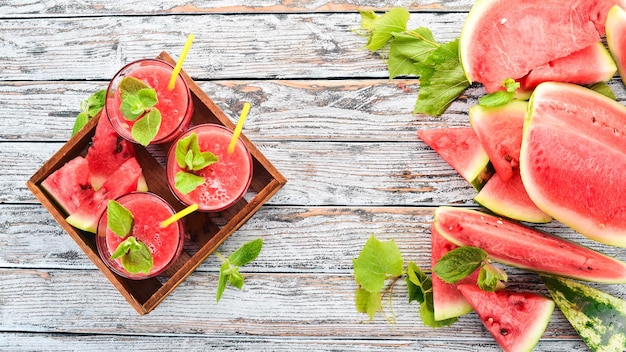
{"x":573,"y":159}
{"x":510,"y":199}
{"x":516,"y":320}
{"x":499,"y":129}
{"x":461,"y":149}
{"x":448,"y":302}
{"x":108,"y":151}
{"x":520,"y":246}
{"x":587,"y":66}
{"x":123,"y":181}
{"x":616,"y":38}
{"x":508,"y":39}
{"x":70,"y":185}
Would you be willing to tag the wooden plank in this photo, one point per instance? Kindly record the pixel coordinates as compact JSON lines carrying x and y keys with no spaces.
{"x":20,"y":8}
{"x":266,"y":46}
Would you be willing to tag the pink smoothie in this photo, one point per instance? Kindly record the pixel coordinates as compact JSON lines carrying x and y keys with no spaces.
{"x":224,"y":181}
{"x":148,"y":211}
{"x":175,"y":105}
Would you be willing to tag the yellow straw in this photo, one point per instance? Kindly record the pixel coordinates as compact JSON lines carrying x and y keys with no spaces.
{"x":179,"y":64}
{"x":237,"y":131}
{"x":172,"y":219}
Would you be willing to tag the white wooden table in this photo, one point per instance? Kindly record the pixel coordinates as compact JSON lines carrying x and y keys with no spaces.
{"x":324,"y":113}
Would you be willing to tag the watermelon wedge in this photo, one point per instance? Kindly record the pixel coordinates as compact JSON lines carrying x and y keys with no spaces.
{"x":448,"y":302}
{"x":499,"y":130}
{"x":123,"y":181}
{"x":616,"y":38}
{"x":108,"y":151}
{"x":70,"y":185}
{"x":497,"y":40}
{"x":573,"y":159}
{"x":519,"y":246}
{"x":516,"y":320}
{"x":460,"y":148}
{"x":510,"y":199}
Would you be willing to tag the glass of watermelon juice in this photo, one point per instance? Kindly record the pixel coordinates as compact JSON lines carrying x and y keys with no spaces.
{"x":175,"y":106}
{"x":164,"y":244}
{"x":225,"y":181}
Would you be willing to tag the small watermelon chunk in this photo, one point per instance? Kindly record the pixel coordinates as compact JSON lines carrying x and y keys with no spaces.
{"x":516,"y":320}
{"x":70,"y":185}
{"x":460,"y":148}
{"x":448,"y":302}
{"x":108,"y":151}
{"x":500,"y":130}
{"x":520,"y":246}
{"x":616,"y":38}
{"x":598,"y":317}
{"x":123,"y":181}
{"x":510,"y":199}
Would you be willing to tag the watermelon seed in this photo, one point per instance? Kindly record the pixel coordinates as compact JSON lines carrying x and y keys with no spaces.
{"x":504,"y":332}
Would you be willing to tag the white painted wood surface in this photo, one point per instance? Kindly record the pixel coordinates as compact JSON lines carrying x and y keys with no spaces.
{"x":323,"y":113}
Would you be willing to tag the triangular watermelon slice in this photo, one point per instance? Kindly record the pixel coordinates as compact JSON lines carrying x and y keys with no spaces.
{"x":448,"y":302}
{"x":516,"y":320}
{"x":500,"y":130}
{"x":460,"y":148}
{"x":124,"y":180}
{"x":70,"y":185}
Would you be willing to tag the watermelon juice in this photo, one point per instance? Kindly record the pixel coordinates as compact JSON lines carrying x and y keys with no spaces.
{"x":175,"y":106}
{"x":164,"y":244}
{"x":225,"y":181}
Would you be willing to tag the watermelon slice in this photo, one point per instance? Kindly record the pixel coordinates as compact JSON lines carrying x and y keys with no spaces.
{"x":516,"y":320}
{"x":460,"y":148}
{"x":448,"y":302}
{"x":585,"y":67}
{"x":510,"y":199}
{"x":573,"y":159}
{"x":526,"y":248}
{"x":70,"y":185}
{"x":499,"y":130}
{"x":497,"y":40}
{"x":124,"y":180}
{"x":616,"y":38}
{"x":108,"y":151}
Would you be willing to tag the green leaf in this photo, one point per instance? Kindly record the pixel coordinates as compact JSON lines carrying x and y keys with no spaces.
{"x":427,"y":315}
{"x":408,"y":48}
{"x":190,"y":157}
{"x":368,"y":18}
{"x":147,"y":127}
{"x":496,"y":98}
{"x":135,"y":256}
{"x":246,"y":253}
{"x":376,"y":261}
{"x":119,"y":219}
{"x":222,"y":281}
{"x":148,"y":97}
{"x":186,"y":182}
{"x":383,"y":27}
{"x":235,"y":279}
{"x":131,"y":85}
{"x":367,"y":302}
{"x":90,"y":107}
{"x":604,"y":89}
{"x":442,"y":80}
{"x":421,"y":290}
{"x":132,"y":108}
{"x":490,"y":278}
{"x":80,"y":122}
{"x":459,"y":263}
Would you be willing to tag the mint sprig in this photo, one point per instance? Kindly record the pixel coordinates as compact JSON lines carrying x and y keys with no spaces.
{"x":89,"y":107}
{"x":500,"y":97}
{"x":119,"y":219}
{"x":190,"y":158}
{"x":229,"y":270}
{"x":137,"y":104}
{"x":462,"y":261}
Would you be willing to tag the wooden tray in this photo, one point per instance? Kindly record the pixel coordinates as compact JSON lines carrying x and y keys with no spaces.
{"x":206,"y":231}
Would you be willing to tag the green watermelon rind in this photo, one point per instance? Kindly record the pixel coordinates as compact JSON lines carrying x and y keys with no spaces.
{"x":598,"y":317}
{"x":565,"y":258}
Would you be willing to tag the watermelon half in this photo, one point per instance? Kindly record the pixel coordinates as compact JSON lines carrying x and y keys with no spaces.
{"x":520,"y":246}
{"x":508,"y":39}
{"x":462,"y":150}
{"x":516,"y":320}
{"x":573,"y":159}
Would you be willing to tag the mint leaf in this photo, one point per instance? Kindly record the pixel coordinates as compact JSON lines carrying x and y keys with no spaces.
{"x":186,"y":182}
{"x":376,"y":262}
{"x":382,"y":28}
{"x":604,"y":89}
{"x":119,"y":219}
{"x":496,"y":98}
{"x":408,"y":48}
{"x":490,"y":278}
{"x":134,"y":255}
{"x":146,"y":128}
{"x":459,"y":263}
{"x":235,"y":279}
{"x":190,"y":157}
{"x":132,"y":108}
{"x":222,"y":281}
{"x":246,"y":253}
{"x":442,"y":80}
{"x":367,"y":302}
{"x":90,"y":107}
{"x":121,"y":249}
{"x":131,"y":85}
{"x":148,"y":97}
